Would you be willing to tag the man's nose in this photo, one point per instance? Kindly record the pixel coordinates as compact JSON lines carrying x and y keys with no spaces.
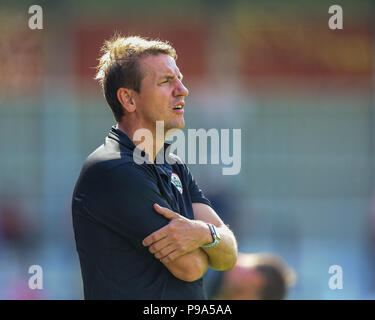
{"x":180,"y":89}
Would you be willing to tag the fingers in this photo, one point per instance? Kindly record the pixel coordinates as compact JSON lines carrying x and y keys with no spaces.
{"x":172,"y":256}
{"x":167,"y":249}
{"x":163,"y":253}
{"x":169,"y":253}
{"x":169,"y":214}
{"x":163,"y":232}
{"x":163,"y":248}
{"x":160,"y":245}
{"x":155,"y":236}
{"x":169,"y":242}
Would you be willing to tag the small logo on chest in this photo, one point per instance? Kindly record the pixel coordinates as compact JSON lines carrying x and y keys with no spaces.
{"x":175,"y":179}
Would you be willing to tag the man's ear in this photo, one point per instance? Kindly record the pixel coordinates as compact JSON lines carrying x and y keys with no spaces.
{"x":125,"y":96}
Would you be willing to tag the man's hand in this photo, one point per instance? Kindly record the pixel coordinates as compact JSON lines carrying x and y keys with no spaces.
{"x":179,"y":237}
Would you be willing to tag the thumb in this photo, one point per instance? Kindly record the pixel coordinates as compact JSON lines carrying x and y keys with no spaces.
{"x":169,"y":214}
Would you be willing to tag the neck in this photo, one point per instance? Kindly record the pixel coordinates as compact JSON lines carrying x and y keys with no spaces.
{"x":149,"y":140}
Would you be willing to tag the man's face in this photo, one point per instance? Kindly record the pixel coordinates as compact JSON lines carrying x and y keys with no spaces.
{"x":161,"y":93}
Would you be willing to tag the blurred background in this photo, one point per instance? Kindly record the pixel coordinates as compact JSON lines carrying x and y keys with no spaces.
{"x":302,"y":94}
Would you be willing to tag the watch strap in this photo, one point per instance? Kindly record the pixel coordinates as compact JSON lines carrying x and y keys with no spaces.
{"x":214,"y":235}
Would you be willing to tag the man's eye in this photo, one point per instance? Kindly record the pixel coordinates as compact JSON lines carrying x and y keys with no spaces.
{"x":165,"y":81}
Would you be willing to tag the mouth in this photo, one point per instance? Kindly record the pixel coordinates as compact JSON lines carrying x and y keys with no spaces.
{"x":179,"y":107}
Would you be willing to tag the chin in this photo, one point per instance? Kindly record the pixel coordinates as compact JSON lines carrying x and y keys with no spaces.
{"x":176,"y":125}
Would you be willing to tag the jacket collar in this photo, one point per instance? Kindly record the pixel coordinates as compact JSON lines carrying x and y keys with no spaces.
{"x":122,"y":138}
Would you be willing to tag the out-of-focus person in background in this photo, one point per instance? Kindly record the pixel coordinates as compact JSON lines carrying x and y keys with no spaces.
{"x":257,"y":276}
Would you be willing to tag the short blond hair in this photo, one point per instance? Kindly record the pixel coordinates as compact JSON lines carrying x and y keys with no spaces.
{"x":119,"y":65}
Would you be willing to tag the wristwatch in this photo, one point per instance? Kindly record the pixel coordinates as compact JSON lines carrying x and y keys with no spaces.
{"x":215,"y":236}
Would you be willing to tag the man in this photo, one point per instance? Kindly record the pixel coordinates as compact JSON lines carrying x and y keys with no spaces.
{"x":144,"y":231}
{"x":258,"y":276}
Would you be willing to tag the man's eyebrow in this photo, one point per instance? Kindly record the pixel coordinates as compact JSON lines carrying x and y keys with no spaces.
{"x":169,"y":76}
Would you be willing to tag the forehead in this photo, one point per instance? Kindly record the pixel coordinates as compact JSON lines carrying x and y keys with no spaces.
{"x":159,"y":65}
